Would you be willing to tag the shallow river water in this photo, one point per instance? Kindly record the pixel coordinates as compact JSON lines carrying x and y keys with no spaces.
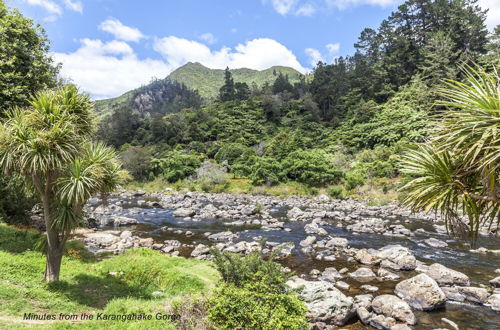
{"x":479,"y":267}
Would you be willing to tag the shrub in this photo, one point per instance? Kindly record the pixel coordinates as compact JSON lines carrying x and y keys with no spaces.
{"x":210,"y":173}
{"x":355,"y":179}
{"x":137,"y":161}
{"x":177,"y":165}
{"x":336,"y":192}
{"x":313,"y":167}
{"x":15,"y":200}
{"x":255,"y":306}
{"x":265,"y":170}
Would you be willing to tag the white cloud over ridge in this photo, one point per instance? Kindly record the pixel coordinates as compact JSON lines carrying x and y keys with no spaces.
{"x":315,"y":55}
{"x":258,"y":54}
{"x":121,"y":31}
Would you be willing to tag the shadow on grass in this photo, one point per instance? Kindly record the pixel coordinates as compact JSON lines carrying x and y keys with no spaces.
{"x":17,"y":240}
{"x":96,"y":292}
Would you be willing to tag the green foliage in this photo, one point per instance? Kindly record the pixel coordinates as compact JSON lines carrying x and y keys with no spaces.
{"x":336,"y":192}
{"x":16,"y":200}
{"x":26,"y":65}
{"x":458,"y":170}
{"x":312,"y":167}
{"x":176,"y":165}
{"x":137,"y":161}
{"x":254,"y":295}
{"x":255,"y":306}
{"x":264,"y":170}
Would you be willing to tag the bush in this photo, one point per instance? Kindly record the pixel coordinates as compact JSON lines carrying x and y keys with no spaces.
{"x":16,"y":201}
{"x":254,"y":295}
{"x":265,"y":170}
{"x":336,"y":192}
{"x":210,"y":173}
{"x":313,"y":167}
{"x":137,"y":161}
{"x":255,"y":306}
{"x":355,"y":179}
{"x":177,"y":165}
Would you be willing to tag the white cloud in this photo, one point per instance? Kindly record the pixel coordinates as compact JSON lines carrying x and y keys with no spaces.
{"x":306,"y":10}
{"x":208,"y":38}
{"x":314,"y":56}
{"x":333,"y":49}
{"x":48,"y":5}
{"x":120,"y":31}
{"x":282,"y":7}
{"x":258,"y":54}
{"x":74,"y":5}
{"x":343,"y":4}
{"x":108,"y":69}
{"x":493,"y":18}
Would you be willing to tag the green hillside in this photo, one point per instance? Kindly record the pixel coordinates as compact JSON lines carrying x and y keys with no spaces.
{"x":198,"y":77}
{"x":208,"y":81}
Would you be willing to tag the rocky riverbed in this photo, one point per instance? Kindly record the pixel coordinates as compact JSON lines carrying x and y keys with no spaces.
{"x":357,"y":266}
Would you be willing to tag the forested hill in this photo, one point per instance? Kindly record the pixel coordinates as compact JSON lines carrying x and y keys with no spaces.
{"x":178,"y":89}
{"x":208,"y":81}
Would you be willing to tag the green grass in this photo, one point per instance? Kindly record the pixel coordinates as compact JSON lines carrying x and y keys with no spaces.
{"x":119,"y":284}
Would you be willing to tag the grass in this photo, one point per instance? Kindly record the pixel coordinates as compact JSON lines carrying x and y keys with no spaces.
{"x":116,"y":285}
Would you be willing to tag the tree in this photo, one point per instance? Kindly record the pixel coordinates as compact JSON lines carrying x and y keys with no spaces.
{"x":227,"y":91}
{"x":26,"y":66}
{"x":49,"y":144}
{"x":458,"y":170}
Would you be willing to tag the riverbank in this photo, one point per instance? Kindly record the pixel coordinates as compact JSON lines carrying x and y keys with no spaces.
{"x":136,"y":282}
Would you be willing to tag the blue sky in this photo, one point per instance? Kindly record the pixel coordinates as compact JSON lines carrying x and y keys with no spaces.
{"x":108,"y":47}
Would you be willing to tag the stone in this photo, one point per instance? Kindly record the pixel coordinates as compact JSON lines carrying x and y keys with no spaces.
{"x":445,"y":276}
{"x":366,"y":258}
{"x":494,"y":302}
{"x":473,"y":294}
{"x":421,"y":292}
{"x":126,"y":234}
{"x":363,"y":300}
{"x":200,"y":249}
{"x":124,"y":221}
{"x":381,"y":322}
{"x":387,"y":275}
{"x":308,"y":241}
{"x":337,"y":242}
{"x":450,"y":323}
{"x":398,"y":255}
{"x":433,"y":242}
{"x":363,"y":274}
{"x":364,"y":315}
{"x":222,"y":236}
{"x":330,"y":274}
{"x":392,"y":306}
{"x":183,"y":212}
{"x":452,"y":293}
{"x":369,"y":288}
{"x":495,"y":282}
{"x":313,"y":228}
{"x":342,"y":285}
{"x":294,"y":213}
{"x":324,"y":302}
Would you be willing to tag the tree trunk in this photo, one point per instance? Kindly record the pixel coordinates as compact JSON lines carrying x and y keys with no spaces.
{"x":55,"y":246}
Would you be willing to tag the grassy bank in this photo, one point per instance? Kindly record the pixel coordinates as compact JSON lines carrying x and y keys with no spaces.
{"x":140,"y":281}
{"x":380,"y":191}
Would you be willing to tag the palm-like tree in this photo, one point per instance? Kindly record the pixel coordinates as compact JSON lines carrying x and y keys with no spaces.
{"x":49,"y":143}
{"x":456,"y":173}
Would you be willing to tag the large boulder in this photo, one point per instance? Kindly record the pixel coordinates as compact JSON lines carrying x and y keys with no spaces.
{"x":445,"y":276}
{"x":421,"y":292}
{"x":313,"y":228}
{"x":124,"y":221}
{"x":494,"y":302}
{"x":363,"y":274}
{"x":398,"y":255}
{"x":495,"y":282}
{"x":392,"y":306}
{"x":366,"y":258}
{"x":435,"y":243}
{"x":324,"y":302}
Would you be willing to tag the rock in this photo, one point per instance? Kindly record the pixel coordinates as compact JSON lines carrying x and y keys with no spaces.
{"x":494,"y":302}
{"x":126,"y":234}
{"x":382,"y":322}
{"x":392,"y":306}
{"x":364,"y":315}
{"x":398,"y":255}
{"x":495,"y":282}
{"x":366,"y":258}
{"x":146,"y":242}
{"x":342,"y":285}
{"x":369,"y":288}
{"x":435,"y":243}
{"x":314,"y":272}
{"x":337,"y":242}
{"x":330,"y":274}
{"x":363,"y":300}
{"x":452,"y":293}
{"x":324,"y":302}
{"x":445,"y":276}
{"x":308,"y":241}
{"x":421,"y":292}
{"x":183,"y":212}
{"x":450,"y":323}
{"x":199,"y":250}
{"x":473,"y":294}
{"x":313,"y":228}
{"x":363,"y":274}
{"x":387,"y":275}
{"x":124,"y":221}
{"x":294,"y":213}
{"x":222,"y":236}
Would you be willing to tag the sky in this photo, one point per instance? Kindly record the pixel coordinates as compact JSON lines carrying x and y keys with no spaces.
{"x":108,"y":47}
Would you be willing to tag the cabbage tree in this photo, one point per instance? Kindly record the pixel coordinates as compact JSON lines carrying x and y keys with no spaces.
{"x":456,"y":173}
{"x":49,"y":144}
